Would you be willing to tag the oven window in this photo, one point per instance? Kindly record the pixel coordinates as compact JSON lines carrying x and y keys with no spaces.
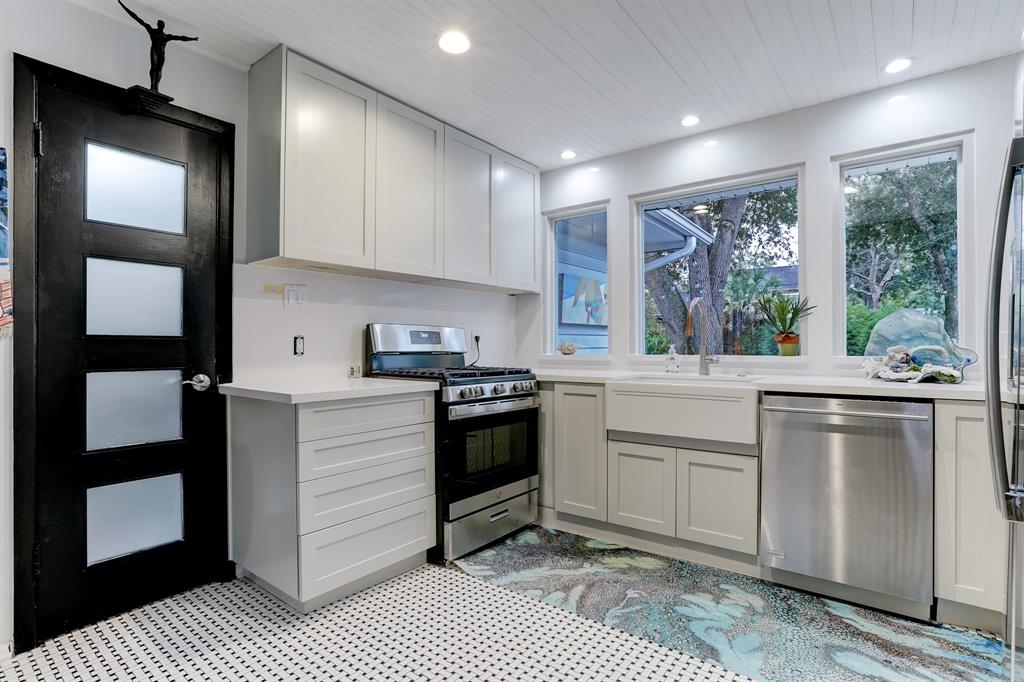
{"x":494,"y":448}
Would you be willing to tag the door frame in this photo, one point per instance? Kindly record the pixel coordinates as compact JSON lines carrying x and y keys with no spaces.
{"x":28,"y":73}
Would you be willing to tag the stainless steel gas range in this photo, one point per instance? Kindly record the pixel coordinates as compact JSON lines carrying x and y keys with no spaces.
{"x":487,"y":439}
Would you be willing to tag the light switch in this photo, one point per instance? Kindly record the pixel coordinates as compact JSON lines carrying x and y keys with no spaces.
{"x":294,"y":295}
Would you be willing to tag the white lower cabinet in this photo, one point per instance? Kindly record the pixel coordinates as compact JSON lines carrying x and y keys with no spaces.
{"x":581,"y":451}
{"x":971,"y":536}
{"x":331,"y":558}
{"x":329,"y":497}
{"x":717,"y":501}
{"x":642,"y":487}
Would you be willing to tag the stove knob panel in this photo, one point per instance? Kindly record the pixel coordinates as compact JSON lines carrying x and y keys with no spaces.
{"x":499,"y":389}
{"x":466,"y":393}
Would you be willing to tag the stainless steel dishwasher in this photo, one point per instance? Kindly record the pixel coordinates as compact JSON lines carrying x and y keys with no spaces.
{"x":846,"y":492}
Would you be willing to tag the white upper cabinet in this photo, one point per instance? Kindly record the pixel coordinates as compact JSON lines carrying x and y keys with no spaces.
{"x":514,"y":213}
{"x":470,"y":248}
{"x":345,"y":179}
{"x":410,"y":198}
{"x":330,"y":145}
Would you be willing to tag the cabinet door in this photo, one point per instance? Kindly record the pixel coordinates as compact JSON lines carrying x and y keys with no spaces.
{"x":410,"y":173}
{"x":717,"y":499}
{"x":642,"y":487}
{"x":516,"y":224}
{"x":470,"y":249}
{"x":330,"y":154}
{"x":581,"y":451}
{"x":970,"y":534}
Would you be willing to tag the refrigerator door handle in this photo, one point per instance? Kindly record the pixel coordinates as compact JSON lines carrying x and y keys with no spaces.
{"x":1008,"y":498}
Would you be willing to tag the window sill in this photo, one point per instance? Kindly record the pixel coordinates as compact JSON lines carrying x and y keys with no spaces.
{"x":578,"y":361}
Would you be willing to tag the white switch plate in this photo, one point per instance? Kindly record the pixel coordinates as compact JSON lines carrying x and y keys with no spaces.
{"x":294,"y":295}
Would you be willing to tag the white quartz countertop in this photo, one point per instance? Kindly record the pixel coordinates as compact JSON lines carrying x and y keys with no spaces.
{"x":826,"y":385}
{"x":295,"y":389}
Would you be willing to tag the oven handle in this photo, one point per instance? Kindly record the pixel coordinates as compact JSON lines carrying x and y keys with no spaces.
{"x":456,"y":412}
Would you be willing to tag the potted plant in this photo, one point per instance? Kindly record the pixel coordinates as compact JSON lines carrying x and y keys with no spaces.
{"x":783,"y":313}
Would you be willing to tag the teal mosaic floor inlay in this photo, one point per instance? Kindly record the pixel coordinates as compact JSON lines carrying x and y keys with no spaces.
{"x":750,"y":626}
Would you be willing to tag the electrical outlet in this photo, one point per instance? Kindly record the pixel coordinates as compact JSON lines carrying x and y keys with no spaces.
{"x":299,"y":345}
{"x":355,"y":371}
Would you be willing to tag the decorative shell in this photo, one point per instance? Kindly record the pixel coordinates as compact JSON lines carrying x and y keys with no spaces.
{"x":567,"y":348}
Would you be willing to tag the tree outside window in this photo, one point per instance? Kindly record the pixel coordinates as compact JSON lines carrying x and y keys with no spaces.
{"x":901,"y":242}
{"x":753,"y":252}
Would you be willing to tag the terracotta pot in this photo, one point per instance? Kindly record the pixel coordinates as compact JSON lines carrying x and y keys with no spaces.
{"x":788,"y":344}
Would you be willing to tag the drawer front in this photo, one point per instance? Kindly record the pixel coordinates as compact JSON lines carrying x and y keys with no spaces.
{"x":359,"y":415}
{"x":330,"y":456}
{"x":336,"y":556}
{"x":329,"y":501}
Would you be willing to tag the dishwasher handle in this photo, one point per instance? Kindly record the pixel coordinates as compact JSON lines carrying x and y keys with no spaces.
{"x":849,"y":413}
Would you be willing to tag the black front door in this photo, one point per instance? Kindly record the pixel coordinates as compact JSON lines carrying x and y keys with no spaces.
{"x":122,"y":294}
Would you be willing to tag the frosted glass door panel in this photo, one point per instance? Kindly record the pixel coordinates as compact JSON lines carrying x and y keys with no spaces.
{"x":129,"y":517}
{"x":131,"y":408}
{"x":135,"y":190}
{"x":124,"y":298}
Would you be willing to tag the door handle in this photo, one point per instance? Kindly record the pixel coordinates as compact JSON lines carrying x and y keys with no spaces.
{"x":498,"y":516}
{"x":200,"y":382}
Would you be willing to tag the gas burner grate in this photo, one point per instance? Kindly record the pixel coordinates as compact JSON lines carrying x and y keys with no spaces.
{"x":453,"y":374}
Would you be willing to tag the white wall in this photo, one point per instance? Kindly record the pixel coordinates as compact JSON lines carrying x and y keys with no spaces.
{"x":975,"y":101}
{"x":339,"y":307}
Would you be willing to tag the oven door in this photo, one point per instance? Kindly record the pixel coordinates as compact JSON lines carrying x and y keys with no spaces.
{"x":486,"y":446}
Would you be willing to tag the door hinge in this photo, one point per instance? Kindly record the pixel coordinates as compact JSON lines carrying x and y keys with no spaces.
{"x":37,"y":132}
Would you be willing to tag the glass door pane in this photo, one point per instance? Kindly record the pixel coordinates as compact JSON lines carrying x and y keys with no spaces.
{"x":131,"y":408}
{"x":124,"y":518}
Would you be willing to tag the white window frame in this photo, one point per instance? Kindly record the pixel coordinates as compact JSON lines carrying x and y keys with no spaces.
{"x":550,"y":356}
{"x":637,"y":342}
{"x":963,"y":145}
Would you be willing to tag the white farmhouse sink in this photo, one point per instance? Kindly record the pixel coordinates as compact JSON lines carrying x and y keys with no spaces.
{"x":719,"y":407}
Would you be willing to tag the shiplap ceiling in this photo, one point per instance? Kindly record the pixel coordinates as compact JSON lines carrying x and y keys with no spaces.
{"x":603,"y":76}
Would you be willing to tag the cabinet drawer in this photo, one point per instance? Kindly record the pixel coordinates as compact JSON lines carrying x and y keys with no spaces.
{"x":332,"y":500}
{"x":344,"y":417}
{"x":339,"y":455}
{"x":334,"y":557}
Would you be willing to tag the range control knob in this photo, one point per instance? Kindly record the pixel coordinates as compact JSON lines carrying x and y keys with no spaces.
{"x":517,"y":387}
{"x":499,"y":389}
{"x":478,"y":391}
{"x":466,"y":392}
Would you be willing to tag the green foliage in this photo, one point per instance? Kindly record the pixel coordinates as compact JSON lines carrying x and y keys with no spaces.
{"x":860,"y":320}
{"x":783,"y":313}
{"x":901,"y":245}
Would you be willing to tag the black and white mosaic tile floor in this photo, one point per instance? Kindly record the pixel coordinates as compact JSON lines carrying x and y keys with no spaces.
{"x":429,"y":624}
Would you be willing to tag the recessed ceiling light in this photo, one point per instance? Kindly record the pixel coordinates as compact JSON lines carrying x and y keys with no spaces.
{"x":700,"y":207}
{"x":594,"y":169}
{"x":453,"y":42}
{"x":897,"y":65}
{"x":568,"y":154}
{"x":711,"y":143}
{"x":896,"y":99}
{"x":850,"y":190}
{"x":690,"y":120}
{"x":703,"y":211}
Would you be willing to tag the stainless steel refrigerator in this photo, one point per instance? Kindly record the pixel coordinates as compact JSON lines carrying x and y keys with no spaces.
{"x":1004,"y":392}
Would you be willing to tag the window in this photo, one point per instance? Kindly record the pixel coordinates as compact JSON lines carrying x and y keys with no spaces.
{"x":581,"y":280}
{"x":900,"y":222}
{"x":728,"y":248}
